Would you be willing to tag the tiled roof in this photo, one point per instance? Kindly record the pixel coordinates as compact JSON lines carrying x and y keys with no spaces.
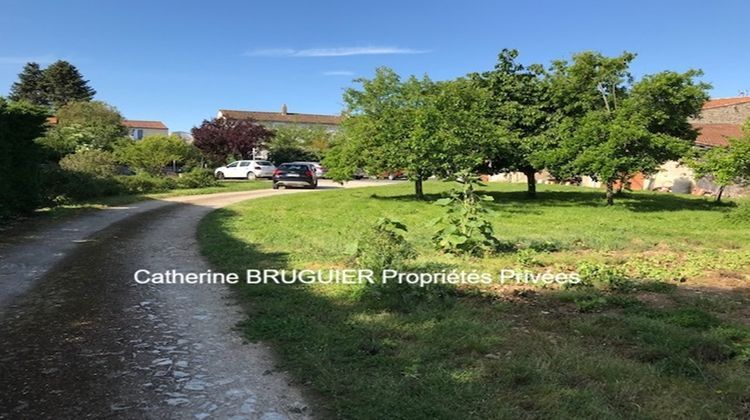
{"x":289,"y":117}
{"x":716,"y":134}
{"x":154,"y":125}
{"x":721,"y":102}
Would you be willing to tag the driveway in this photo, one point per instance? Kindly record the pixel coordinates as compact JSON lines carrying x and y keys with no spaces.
{"x":81,"y":339}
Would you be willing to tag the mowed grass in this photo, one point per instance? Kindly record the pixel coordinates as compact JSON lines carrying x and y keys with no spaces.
{"x":675,"y":344}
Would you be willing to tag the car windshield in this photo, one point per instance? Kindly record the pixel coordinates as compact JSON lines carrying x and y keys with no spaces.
{"x":232,"y":165}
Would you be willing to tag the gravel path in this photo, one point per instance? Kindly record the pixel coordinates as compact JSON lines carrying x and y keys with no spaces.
{"x":81,"y":339}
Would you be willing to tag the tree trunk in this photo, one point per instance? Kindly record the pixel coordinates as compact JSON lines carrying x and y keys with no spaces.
{"x":530,"y":182}
{"x":610,"y":192}
{"x":418,"y":191}
{"x":719,"y":194}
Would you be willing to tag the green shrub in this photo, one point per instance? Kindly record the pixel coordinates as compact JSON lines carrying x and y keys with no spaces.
{"x":604,"y":277}
{"x":741,"y":214}
{"x":20,"y":124}
{"x":465,"y":229}
{"x":527,"y":257}
{"x":384,"y":247}
{"x":153,"y":154}
{"x":93,"y":162}
{"x":145,"y":184}
{"x":197,"y":178}
{"x":62,"y":186}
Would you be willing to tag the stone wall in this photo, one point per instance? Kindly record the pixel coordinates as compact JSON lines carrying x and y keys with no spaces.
{"x":733,"y":114}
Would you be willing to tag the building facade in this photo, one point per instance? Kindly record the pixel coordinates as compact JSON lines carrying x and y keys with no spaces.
{"x":137,"y":129}
{"x":284,"y":118}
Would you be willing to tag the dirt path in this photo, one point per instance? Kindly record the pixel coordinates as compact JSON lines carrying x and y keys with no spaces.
{"x":80,"y":338}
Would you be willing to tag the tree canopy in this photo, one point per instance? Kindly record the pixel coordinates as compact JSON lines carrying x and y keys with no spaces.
{"x":30,"y":86}
{"x":520,"y":104}
{"x":55,"y":86}
{"x":291,"y":143}
{"x":418,"y":126}
{"x":222,"y":139}
{"x":726,"y":165}
{"x":153,"y":154}
{"x":84,"y":125}
{"x":20,"y":124}
{"x":610,"y":126}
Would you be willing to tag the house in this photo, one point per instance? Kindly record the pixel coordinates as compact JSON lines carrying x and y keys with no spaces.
{"x":282,"y":118}
{"x":719,"y":120}
{"x":138,"y":129}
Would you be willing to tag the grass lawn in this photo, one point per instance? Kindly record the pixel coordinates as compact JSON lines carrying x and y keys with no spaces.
{"x":120,"y":200}
{"x":675,"y":342}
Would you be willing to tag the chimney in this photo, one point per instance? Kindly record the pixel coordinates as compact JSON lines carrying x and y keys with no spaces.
{"x":283,"y":109}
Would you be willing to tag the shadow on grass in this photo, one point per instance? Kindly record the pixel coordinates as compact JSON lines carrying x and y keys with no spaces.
{"x":438,"y":360}
{"x":633,"y":201}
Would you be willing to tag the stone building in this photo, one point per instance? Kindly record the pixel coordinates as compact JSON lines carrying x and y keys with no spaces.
{"x":720,"y":120}
{"x":276,"y":119}
{"x":732,"y":111}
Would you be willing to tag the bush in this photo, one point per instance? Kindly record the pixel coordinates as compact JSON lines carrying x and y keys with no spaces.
{"x":152,"y":154}
{"x":145,"y":184}
{"x":197,"y":178}
{"x":93,"y":162}
{"x":465,"y":229}
{"x":61,"y":186}
{"x":384,"y":247}
{"x":20,"y":124}
{"x":741,"y":214}
{"x":603,"y":276}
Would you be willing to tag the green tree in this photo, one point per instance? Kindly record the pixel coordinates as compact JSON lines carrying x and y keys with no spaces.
{"x":82,"y":126}
{"x":291,"y":143}
{"x":64,"y":83}
{"x":153,"y":154}
{"x":94,"y":162}
{"x":316,"y":140}
{"x":417,"y":126}
{"x":20,"y":124}
{"x":726,"y":165}
{"x":30,"y":86}
{"x":520,"y":104}
{"x":610,"y":127}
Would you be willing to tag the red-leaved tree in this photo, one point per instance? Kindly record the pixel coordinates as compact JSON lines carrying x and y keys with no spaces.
{"x":222,"y":138}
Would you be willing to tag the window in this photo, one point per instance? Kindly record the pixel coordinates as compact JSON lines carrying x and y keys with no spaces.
{"x":136,"y":134}
{"x":244,"y":163}
{"x":232,"y":165}
{"x":264,"y":163}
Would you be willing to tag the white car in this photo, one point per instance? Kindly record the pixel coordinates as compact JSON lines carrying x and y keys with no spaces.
{"x":248,"y":169}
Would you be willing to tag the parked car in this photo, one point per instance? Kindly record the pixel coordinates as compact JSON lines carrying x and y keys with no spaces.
{"x":249,"y":169}
{"x":320,"y":171}
{"x":393,"y":175}
{"x":295,"y":175}
{"x":360,"y":174}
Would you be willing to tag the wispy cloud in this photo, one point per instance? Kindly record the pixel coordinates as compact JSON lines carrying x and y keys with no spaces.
{"x":338,"y":73}
{"x":16,"y":60}
{"x":332,"y":52}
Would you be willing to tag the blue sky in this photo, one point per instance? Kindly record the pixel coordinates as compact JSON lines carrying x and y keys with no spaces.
{"x":179,"y":62}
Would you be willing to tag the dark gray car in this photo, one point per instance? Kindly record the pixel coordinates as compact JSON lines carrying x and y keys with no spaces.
{"x":295,"y":175}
